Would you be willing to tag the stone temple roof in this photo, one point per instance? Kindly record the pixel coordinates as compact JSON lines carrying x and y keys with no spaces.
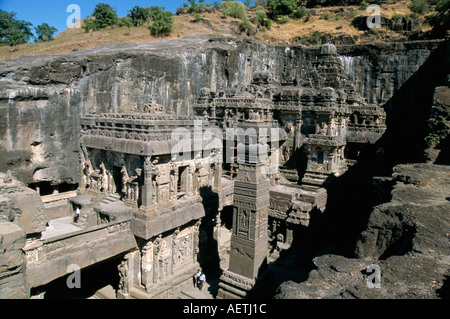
{"x":137,"y":133}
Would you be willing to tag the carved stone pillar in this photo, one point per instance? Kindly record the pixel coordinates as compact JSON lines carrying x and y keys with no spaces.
{"x":189,"y":181}
{"x":218,"y":176}
{"x":147,"y":264}
{"x":196,"y":240}
{"x":175,"y":241}
{"x":147,"y":187}
{"x":173,"y":184}
{"x":289,"y":234}
{"x":249,"y":248}
{"x":298,"y":131}
{"x":156,"y":251}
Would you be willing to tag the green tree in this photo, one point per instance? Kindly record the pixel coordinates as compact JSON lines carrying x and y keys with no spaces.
{"x":162,"y":21}
{"x":138,"y":15}
{"x":45,"y":32}
{"x":13,"y":31}
{"x":104,"y":15}
{"x":281,"y":7}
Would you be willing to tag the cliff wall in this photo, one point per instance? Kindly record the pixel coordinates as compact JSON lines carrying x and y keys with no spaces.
{"x":42,"y":98}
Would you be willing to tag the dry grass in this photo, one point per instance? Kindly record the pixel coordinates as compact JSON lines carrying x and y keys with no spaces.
{"x":338,"y":23}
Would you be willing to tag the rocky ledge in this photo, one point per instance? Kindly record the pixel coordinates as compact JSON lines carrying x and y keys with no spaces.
{"x":407,"y":238}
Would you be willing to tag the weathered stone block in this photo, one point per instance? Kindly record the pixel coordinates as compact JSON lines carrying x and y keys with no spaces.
{"x":151,"y":221}
{"x":12,"y":237}
{"x":31,"y":215}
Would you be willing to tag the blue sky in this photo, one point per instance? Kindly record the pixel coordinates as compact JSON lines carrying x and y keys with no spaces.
{"x":54,"y":12}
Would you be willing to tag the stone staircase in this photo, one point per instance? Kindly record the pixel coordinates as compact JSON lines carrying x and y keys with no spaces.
{"x":81,"y":222}
{"x":86,"y":215}
{"x":110,"y":198}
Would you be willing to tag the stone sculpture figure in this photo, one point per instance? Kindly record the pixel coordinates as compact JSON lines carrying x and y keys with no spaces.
{"x":104,"y":178}
{"x":123,"y":274}
{"x":323,"y":129}
{"x":156,"y":250}
{"x":125,"y":179}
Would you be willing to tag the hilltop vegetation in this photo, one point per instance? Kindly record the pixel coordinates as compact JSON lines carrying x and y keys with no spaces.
{"x":307,"y":22}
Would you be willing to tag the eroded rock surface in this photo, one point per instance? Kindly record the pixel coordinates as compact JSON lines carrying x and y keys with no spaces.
{"x":406,"y":237}
{"x":42,"y":98}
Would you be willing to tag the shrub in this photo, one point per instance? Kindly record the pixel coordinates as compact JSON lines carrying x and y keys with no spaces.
{"x":364,"y":5}
{"x":279,"y":8}
{"x":314,"y":37}
{"x":326,"y":16}
{"x":413,"y":15}
{"x":89,"y":24}
{"x":282,"y":19}
{"x":300,"y":12}
{"x":397,"y":17}
{"x":234,"y":9}
{"x":261,"y":19}
{"x":197,"y":17}
{"x":419,"y":6}
{"x":125,"y":22}
{"x":246,"y":27}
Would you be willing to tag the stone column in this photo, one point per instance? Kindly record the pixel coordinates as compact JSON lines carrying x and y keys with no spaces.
{"x":141,"y":220}
{"x":218,"y":176}
{"x":249,"y":248}
{"x":298,"y":131}
{"x":189,"y":181}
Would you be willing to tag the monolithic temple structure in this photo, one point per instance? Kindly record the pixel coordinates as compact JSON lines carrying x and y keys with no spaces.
{"x":225,"y":186}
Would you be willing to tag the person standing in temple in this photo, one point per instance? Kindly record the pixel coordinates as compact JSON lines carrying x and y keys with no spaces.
{"x":77,"y":214}
{"x":202,"y":280}
{"x":197,"y":278}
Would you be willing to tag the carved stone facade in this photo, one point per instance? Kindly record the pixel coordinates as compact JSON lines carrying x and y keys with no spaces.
{"x":317,"y":125}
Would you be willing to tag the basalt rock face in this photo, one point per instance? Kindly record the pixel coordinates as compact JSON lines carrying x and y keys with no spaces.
{"x":407,"y":238}
{"x":42,"y":98}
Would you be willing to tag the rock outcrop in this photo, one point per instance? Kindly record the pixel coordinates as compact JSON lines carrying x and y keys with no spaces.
{"x":21,"y":215}
{"x":407,"y":238}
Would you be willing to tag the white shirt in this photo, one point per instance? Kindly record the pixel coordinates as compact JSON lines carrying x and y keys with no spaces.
{"x":202,"y":277}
